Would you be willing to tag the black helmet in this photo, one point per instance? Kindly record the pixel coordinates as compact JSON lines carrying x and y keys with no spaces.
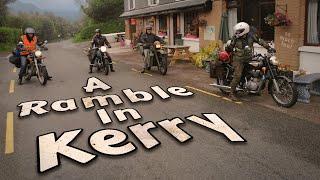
{"x":98,"y":31}
{"x":29,"y":31}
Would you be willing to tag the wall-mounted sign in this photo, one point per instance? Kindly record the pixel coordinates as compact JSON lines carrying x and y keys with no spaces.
{"x":210,"y":33}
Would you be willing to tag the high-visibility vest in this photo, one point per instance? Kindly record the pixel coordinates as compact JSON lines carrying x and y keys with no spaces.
{"x":29,"y":45}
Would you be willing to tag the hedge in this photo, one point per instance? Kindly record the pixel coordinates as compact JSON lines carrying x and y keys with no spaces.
{"x":9,"y":35}
{"x":110,"y":27}
{"x":8,"y":38}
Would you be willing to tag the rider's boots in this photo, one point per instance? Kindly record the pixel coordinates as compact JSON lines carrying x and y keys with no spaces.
{"x":111,"y":67}
{"x":91,"y":66}
{"x":20,"y":81}
{"x":233,"y":96}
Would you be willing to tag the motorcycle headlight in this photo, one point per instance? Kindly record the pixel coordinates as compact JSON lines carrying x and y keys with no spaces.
{"x":157,"y":44}
{"x":38,"y":54}
{"x":274,"y":60}
{"x":103,"y":49}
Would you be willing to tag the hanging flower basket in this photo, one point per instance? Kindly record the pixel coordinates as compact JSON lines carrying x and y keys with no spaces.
{"x":195,"y":22}
{"x":202,"y":22}
{"x":277,"y":19}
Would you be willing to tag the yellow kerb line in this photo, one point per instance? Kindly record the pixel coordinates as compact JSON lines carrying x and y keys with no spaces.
{"x":9,"y":134}
{"x":11,"y":87}
{"x":139,"y":72}
{"x":212,"y":94}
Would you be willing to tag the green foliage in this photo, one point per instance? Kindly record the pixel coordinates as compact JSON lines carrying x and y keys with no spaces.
{"x":8,"y":38}
{"x":47,"y":26}
{"x":110,"y":26}
{"x":4,"y":10}
{"x":207,"y":53}
{"x":102,"y":10}
{"x":101,"y":14}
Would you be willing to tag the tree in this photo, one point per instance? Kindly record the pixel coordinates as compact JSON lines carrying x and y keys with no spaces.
{"x":102,"y":10}
{"x":4,"y":10}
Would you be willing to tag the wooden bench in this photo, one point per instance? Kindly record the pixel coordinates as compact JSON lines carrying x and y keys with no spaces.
{"x":307,"y":85}
{"x":178,"y":53}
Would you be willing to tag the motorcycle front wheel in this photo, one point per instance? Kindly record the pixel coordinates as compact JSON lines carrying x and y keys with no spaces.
{"x":106,"y":67}
{"x":28,"y":75}
{"x":43,"y":75}
{"x":163,"y":66}
{"x":287,"y":95}
{"x":221,"y":81}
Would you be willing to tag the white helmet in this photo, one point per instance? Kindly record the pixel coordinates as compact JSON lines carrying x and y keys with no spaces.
{"x":241,"y":29}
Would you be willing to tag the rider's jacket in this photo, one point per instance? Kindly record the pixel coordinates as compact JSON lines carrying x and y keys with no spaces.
{"x":98,"y":41}
{"x":29,"y":45}
{"x":242,"y":48}
{"x":149,"y":39}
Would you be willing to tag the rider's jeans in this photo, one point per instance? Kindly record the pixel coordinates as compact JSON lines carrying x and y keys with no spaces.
{"x":238,"y":69}
{"x":146,"y":53}
{"x":23,"y":67}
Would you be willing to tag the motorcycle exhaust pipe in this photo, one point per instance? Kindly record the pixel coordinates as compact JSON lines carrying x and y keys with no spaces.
{"x":224,"y":87}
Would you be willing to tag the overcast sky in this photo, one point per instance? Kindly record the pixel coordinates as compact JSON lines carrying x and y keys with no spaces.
{"x":54,"y":4}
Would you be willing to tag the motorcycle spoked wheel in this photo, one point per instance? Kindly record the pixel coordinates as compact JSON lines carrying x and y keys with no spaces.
{"x":28,"y":75}
{"x":288,"y":95}
{"x":163,"y":66}
{"x":106,"y":67}
{"x":43,"y":75}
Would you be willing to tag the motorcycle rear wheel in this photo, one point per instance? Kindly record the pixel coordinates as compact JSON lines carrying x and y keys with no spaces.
{"x":288,"y":95}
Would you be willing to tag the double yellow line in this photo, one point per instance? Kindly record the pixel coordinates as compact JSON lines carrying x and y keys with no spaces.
{"x":214,"y":95}
{"x":12,"y":82}
{"x":9,"y":148}
{"x":133,"y":69}
{"x":9,"y":141}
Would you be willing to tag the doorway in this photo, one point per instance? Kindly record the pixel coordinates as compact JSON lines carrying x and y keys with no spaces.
{"x":253,"y":12}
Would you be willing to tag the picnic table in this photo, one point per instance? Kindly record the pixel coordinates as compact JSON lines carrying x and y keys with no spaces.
{"x":178,"y":53}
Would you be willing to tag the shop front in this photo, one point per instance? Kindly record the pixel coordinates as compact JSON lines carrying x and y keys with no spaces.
{"x":178,"y":22}
{"x":291,"y":26}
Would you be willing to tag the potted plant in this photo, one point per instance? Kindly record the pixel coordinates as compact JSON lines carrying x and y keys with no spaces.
{"x":277,"y":19}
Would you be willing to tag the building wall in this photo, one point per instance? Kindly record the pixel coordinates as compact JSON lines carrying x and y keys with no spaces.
{"x":289,"y":39}
{"x":213,"y":18}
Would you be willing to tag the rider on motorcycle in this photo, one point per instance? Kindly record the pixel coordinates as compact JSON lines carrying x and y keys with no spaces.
{"x":29,"y":40}
{"x":97,"y":41}
{"x":241,"y":47}
{"x":147,"y":40}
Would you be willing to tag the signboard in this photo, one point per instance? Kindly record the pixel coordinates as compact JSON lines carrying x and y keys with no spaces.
{"x":210,"y":33}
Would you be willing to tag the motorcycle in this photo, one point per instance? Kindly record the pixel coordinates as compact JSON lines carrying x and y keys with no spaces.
{"x":36,"y":67}
{"x":158,"y":58}
{"x":261,"y":72}
{"x":101,"y":61}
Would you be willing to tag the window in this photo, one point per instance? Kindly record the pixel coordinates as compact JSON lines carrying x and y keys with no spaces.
{"x":153,"y":2}
{"x":163,"y":25}
{"x":313,"y":22}
{"x":191,"y":25}
{"x":131,"y":4}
